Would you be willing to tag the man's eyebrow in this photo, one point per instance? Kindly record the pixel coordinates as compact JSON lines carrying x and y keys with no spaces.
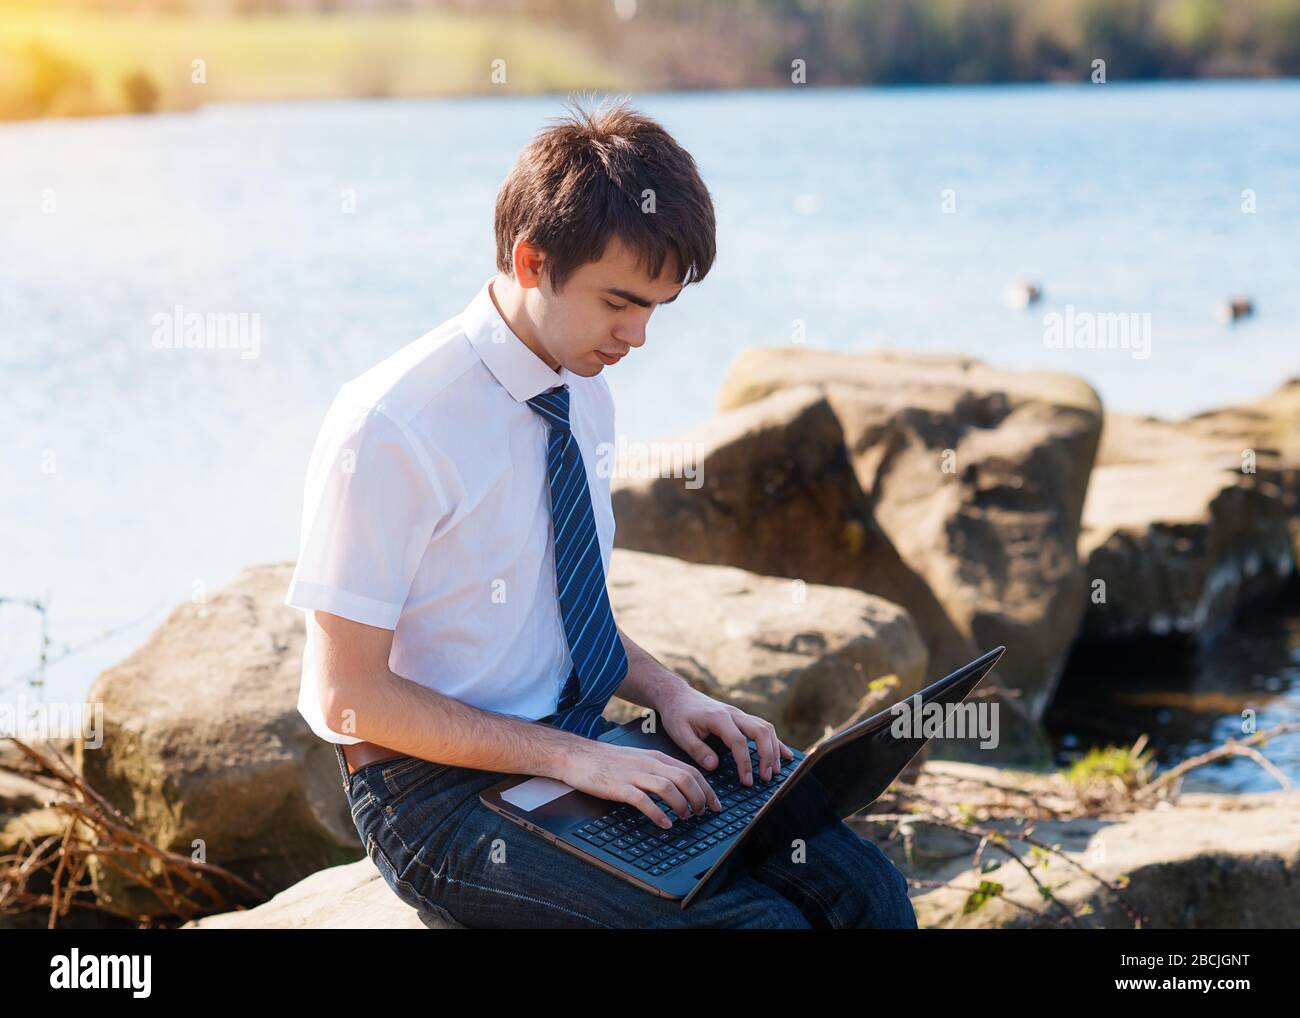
{"x":637,"y":298}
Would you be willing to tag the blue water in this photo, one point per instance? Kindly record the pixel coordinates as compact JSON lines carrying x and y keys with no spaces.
{"x":132,"y":478}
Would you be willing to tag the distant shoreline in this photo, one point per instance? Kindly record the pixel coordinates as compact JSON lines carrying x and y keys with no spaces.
{"x":76,"y":64}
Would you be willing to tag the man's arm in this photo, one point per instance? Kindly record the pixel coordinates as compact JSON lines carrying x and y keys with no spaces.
{"x":361,"y":696}
{"x":648,"y":683}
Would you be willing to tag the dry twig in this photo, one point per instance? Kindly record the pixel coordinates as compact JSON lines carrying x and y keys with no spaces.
{"x":96,"y":829}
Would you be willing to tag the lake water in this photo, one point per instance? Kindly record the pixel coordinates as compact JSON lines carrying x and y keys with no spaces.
{"x":1188,"y":703}
{"x":133,"y":477}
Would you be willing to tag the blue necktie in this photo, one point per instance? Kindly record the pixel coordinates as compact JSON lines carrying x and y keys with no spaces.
{"x":599,"y":661}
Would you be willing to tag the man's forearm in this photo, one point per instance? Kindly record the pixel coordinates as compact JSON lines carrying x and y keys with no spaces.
{"x":648,"y":683}
{"x":403,"y":715}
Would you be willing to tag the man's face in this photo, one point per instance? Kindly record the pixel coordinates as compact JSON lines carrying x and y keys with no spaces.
{"x":602,"y":311}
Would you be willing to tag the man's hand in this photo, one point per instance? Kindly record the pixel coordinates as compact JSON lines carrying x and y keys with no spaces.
{"x":689,"y":717}
{"x":627,"y":774}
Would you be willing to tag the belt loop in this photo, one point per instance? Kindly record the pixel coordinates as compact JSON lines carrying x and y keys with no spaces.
{"x":343,"y":767}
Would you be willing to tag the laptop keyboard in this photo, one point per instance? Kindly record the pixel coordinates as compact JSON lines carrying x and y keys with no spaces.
{"x":628,"y":834}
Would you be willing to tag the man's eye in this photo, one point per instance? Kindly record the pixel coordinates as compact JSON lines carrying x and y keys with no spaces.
{"x":616,"y":307}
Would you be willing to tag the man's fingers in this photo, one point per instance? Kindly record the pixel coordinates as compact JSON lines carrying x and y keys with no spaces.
{"x":755,"y":729}
{"x":768,"y":745}
{"x":736,"y":742}
{"x":698,"y":751}
{"x":665,"y":786}
{"x":635,"y":797}
{"x":692,"y":784}
{"x":695,"y":746}
{"x":769,"y":751}
{"x":708,"y":798}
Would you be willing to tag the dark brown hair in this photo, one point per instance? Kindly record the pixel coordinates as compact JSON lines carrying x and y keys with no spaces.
{"x":583,"y":181}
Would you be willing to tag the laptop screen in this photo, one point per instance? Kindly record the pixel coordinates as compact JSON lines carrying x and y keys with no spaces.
{"x":854,"y":774}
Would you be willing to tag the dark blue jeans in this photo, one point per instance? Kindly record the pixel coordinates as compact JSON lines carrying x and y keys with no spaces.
{"x":448,"y":856}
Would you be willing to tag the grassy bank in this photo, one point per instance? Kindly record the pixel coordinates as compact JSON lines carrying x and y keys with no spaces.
{"x":80,"y":64}
{"x":74,"y":61}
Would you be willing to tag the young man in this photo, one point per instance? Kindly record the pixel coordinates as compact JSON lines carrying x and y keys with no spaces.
{"x":456,"y":538}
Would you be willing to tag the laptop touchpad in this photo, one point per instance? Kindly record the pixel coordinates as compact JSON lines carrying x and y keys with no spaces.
{"x":535,"y":792}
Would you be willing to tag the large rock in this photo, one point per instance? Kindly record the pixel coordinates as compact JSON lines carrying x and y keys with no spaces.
{"x":203,"y":743}
{"x":1176,"y":536}
{"x":1260,"y":440}
{"x":1269,"y":430}
{"x":1270,"y":425}
{"x":800,"y":655}
{"x":202,"y":738}
{"x":941,"y":484}
{"x":1207,"y":862}
{"x":349,"y":897}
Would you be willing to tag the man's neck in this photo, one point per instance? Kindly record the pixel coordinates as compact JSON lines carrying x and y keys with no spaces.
{"x":508,"y":297}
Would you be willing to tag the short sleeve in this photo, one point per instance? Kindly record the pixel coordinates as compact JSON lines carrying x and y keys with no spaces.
{"x":370,"y":507}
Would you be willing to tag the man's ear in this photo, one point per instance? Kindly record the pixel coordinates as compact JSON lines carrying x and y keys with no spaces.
{"x":528,"y":262}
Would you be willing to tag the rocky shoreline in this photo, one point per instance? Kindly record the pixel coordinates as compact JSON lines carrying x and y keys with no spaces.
{"x":865,"y":523}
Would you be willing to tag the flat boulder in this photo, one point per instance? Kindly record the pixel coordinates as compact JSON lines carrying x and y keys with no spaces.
{"x":1180,"y":530}
{"x":352,"y":896}
{"x":1266,"y":432}
{"x":1206,"y":861}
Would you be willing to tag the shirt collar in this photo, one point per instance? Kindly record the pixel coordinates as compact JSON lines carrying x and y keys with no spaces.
{"x":516,"y":367}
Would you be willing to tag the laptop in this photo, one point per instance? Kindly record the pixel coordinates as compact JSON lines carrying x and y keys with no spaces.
{"x":851,"y":767}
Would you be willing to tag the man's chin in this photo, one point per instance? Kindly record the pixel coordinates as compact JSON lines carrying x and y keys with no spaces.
{"x":587,"y":367}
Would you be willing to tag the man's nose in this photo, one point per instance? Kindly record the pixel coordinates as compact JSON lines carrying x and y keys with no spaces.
{"x":632,"y":337}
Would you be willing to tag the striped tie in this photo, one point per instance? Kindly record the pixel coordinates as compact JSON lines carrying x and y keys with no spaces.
{"x":599,"y":661}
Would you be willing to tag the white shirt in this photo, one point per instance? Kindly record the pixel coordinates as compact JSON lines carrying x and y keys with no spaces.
{"x":427,"y":510}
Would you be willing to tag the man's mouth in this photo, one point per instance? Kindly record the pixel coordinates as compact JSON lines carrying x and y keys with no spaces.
{"x":607,"y":359}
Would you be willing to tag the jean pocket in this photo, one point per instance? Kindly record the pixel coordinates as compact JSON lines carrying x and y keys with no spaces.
{"x":393,"y":781}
